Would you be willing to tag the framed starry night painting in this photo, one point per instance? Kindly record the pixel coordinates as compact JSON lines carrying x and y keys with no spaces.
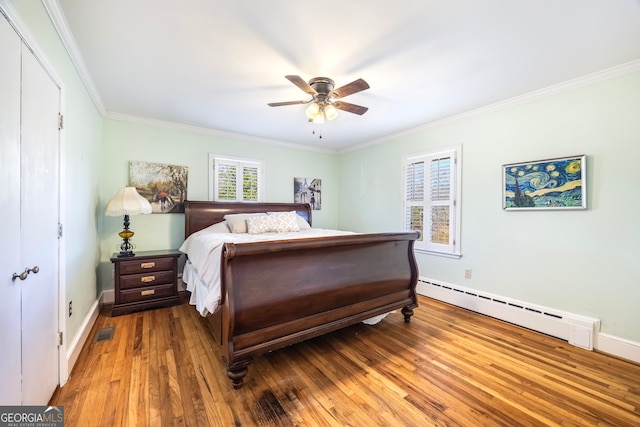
{"x":559,"y":183}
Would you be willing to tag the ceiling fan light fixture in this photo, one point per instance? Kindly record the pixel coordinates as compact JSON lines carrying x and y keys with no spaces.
{"x":330,"y":112}
{"x":325,"y":100}
{"x":312,"y":110}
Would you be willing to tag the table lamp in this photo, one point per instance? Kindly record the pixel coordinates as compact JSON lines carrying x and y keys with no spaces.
{"x":127,"y":202}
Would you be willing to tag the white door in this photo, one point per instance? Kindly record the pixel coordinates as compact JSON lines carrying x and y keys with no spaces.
{"x":39,"y":231}
{"x":10,"y":311}
{"x":29,"y":200}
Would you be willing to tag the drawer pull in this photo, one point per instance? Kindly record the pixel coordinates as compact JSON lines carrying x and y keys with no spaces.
{"x":147,"y":265}
{"x":147,"y":292}
{"x":147,"y":279}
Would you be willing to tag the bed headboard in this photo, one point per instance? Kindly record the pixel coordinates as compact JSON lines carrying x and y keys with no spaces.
{"x":201,"y":214}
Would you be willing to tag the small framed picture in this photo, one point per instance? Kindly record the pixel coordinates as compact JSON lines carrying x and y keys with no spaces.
{"x":559,"y":183}
{"x":308,"y":190}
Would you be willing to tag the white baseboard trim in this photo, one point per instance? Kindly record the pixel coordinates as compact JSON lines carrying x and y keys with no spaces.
{"x":578,"y":330}
{"x":74,"y":349}
{"x":108,"y":297}
{"x":619,"y":347}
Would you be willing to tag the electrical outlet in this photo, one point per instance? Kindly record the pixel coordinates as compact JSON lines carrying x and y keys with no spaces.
{"x":70,"y":308}
{"x":467,"y":273}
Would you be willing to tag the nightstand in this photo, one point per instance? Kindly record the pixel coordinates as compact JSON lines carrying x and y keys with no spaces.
{"x":146,"y":280}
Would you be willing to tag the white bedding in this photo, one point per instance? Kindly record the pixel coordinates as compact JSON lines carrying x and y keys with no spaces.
{"x":202,"y":270}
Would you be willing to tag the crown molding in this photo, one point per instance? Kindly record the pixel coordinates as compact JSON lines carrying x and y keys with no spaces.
{"x":62,"y":28}
{"x":214,"y":132}
{"x":589,"y":79}
{"x":7,"y":9}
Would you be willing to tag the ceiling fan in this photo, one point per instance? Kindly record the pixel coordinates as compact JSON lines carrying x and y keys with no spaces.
{"x":324,"y":101}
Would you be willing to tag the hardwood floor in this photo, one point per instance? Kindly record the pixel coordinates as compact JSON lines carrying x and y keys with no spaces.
{"x":448,"y":367}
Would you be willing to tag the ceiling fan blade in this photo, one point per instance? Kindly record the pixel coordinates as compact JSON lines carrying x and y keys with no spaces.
{"x":351,"y":108}
{"x":297,"y":80}
{"x":280,"y":104}
{"x":350,"y":88}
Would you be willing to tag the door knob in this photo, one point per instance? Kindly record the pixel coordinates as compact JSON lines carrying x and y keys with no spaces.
{"x":22,"y":276}
{"x":25,"y":273}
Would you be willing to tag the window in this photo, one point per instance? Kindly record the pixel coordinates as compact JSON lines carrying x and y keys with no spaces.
{"x":235,"y":180}
{"x":431,"y":207}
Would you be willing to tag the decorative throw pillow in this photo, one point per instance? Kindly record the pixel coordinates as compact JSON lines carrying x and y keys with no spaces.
{"x":259,"y":224}
{"x":238,"y":222}
{"x":285,"y":221}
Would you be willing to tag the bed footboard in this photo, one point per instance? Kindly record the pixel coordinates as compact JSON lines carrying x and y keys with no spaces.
{"x":279,"y":293}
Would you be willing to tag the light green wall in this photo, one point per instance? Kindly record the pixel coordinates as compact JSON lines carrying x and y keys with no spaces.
{"x":585,"y":262}
{"x":579,"y":261}
{"x":125,"y":141}
{"x":80,"y":172}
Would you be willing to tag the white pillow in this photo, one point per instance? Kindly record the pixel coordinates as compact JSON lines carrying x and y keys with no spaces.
{"x":219,"y":227}
{"x":259,"y":224}
{"x":238,"y":222}
{"x":302,"y":223}
{"x":284,"y":222}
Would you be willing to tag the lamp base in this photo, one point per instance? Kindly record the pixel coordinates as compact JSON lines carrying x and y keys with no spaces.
{"x":126,"y":234}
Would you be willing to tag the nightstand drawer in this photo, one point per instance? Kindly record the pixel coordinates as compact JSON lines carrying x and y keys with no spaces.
{"x":149,"y":293}
{"x":141,"y":266}
{"x":150,"y":278}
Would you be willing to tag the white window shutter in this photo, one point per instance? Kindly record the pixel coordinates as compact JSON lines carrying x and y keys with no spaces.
{"x":250,"y":188}
{"x":414,"y":200}
{"x":440,"y":203}
{"x":225,"y":183}
{"x":235,"y":180}
{"x":431,"y":188}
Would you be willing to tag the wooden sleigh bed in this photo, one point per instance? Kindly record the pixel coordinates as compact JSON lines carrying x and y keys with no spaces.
{"x":277,"y":293}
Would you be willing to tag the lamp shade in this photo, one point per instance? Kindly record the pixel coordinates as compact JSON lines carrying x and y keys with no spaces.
{"x":312,"y":110}
{"x":330,"y":112}
{"x":127,"y":201}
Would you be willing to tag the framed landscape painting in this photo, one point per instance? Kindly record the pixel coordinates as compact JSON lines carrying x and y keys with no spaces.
{"x":559,"y":183}
{"x":164,"y":186}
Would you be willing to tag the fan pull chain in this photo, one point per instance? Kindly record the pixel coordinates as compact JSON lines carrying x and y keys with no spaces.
{"x":313,"y":132}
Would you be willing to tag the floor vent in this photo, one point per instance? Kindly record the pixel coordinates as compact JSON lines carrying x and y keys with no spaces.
{"x":576,"y":329}
{"x":105,"y":334}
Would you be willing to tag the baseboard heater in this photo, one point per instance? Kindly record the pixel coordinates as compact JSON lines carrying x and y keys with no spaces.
{"x":576,"y":329}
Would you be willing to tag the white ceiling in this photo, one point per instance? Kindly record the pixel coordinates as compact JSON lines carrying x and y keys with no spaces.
{"x":216,"y":64}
